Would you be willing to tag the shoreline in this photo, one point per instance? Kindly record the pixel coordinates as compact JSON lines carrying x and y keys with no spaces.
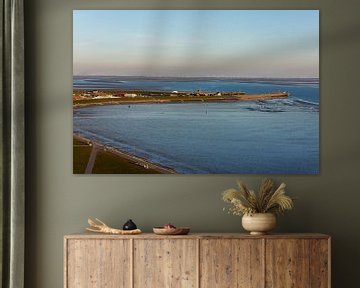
{"x":142,"y":162}
{"x":179,"y":99}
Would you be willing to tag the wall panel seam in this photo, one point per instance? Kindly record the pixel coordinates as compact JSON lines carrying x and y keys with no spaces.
{"x":132,"y":262}
{"x":263,"y":241}
{"x":198,"y":263}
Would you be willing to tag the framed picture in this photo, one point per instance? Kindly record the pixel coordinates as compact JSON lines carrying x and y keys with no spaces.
{"x":196,"y":91}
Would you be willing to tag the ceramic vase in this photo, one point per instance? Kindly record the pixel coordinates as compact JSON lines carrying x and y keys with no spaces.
{"x":259,"y":223}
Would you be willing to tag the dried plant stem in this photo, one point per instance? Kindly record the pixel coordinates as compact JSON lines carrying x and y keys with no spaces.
{"x":101,"y":227}
{"x":268,"y":200}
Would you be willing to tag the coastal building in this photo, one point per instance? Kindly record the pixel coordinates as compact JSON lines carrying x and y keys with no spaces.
{"x":132,"y":95}
{"x":119,"y":95}
{"x":103,"y":97}
{"x":77,"y":97}
{"x":100,"y":94}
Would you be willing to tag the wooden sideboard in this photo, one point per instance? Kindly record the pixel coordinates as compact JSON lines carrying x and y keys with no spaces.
{"x":197,"y":260}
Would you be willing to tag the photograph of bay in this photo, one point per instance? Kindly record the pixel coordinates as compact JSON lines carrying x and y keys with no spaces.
{"x":196,"y":92}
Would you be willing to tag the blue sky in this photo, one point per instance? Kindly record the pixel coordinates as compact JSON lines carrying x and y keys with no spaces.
{"x":234,"y":43}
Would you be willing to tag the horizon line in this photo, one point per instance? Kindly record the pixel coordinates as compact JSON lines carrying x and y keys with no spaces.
{"x":243,"y":77}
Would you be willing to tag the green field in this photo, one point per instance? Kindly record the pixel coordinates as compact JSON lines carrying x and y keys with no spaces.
{"x":81,"y":153}
{"x":108,"y":163}
{"x":105,"y":163}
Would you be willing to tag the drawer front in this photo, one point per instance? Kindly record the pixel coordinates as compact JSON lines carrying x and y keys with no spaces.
{"x":297,"y":263}
{"x":98,"y":263}
{"x":231,"y":263}
{"x":165,"y":263}
{"x":320,"y":263}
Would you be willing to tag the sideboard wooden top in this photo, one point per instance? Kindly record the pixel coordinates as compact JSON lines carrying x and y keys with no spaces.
{"x":86,"y":235}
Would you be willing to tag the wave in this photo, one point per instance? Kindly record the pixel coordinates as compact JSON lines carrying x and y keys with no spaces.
{"x":305,"y":102}
{"x":283,"y":105}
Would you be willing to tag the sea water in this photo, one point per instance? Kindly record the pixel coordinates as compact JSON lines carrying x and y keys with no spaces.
{"x":279,"y":136}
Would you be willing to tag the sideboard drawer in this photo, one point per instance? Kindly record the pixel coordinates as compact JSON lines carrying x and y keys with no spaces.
{"x":297,"y":263}
{"x":165,"y":263}
{"x":231,"y":263}
{"x":98,"y":263}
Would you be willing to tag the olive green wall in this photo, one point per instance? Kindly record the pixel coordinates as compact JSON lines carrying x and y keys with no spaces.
{"x":59,"y":203}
